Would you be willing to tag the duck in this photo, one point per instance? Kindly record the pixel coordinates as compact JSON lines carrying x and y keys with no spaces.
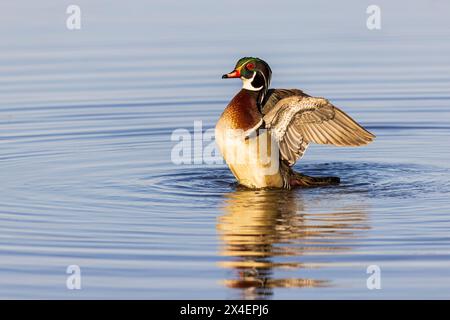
{"x":263,"y":132}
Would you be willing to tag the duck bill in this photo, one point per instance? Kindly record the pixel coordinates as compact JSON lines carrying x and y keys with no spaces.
{"x":233,"y":74}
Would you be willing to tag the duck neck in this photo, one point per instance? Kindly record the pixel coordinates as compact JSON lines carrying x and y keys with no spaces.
{"x":257,"y":96}
{"x":258,"y":83}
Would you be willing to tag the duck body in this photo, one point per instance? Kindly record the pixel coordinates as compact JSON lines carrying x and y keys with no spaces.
{"x":263,"y":132}
{"x":243,"y":154}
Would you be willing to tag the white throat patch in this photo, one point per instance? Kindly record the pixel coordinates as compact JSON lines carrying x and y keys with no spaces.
{"x":247,"y":83}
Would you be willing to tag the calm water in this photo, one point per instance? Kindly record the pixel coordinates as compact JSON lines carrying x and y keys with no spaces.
{"x":86,"y":119}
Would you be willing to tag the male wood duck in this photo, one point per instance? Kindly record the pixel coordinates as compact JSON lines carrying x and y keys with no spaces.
{"x":263,"y":132}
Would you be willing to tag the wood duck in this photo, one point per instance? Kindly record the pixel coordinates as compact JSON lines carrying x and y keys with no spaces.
{"x":263,"y":132}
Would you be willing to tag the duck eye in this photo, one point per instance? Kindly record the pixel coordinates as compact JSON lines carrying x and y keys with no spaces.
{"x":250,"y":66}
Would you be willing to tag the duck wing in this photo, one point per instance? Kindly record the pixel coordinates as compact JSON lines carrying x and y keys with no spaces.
{"x":275,"y":95}
{"x":295,"y":121}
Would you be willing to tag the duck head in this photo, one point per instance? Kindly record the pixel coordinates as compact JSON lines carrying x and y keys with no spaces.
{"x":255,"y":74}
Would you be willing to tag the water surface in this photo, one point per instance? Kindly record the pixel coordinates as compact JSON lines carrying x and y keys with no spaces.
{"x":86,"y":119}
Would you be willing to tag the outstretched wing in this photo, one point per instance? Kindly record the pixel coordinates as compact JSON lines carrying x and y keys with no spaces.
{"x":298,"y":120}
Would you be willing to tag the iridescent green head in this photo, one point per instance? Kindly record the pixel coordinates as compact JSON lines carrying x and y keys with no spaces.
{"x":255,"y":73}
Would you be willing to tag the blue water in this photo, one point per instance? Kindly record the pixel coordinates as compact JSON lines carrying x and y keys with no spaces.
{"x":86,"y":119}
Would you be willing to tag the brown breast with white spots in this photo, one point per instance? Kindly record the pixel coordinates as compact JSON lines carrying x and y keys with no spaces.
{"x":241,"y":113}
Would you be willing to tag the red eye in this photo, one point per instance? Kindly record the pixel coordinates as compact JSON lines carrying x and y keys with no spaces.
{"x":250,"y":66}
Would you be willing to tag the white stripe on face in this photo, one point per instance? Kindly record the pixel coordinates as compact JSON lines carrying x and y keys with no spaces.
{"x":247,"y":83}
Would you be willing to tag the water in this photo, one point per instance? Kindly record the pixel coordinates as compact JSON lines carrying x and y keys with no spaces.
{"x":86,"y":119}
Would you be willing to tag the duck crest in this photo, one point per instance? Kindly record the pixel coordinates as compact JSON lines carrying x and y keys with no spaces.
{"x":242,"y":112}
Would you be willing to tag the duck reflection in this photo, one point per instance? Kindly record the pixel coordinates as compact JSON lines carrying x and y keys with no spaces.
{"x":267,"y":231}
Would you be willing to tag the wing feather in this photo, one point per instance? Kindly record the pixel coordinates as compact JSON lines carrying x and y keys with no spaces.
{"x":297,"y":120}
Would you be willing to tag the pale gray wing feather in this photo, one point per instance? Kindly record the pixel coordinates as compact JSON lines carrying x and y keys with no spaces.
{"x":296,"y":121}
